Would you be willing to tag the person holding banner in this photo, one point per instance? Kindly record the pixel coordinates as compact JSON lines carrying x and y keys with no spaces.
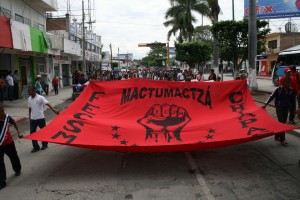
{"x":7,"y":146}
{"x":284,"y":99}
{"x":36,"y":104}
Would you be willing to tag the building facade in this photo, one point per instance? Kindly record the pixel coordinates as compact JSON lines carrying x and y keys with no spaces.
{"x":275,"y":42}
{"x":34,"y":43}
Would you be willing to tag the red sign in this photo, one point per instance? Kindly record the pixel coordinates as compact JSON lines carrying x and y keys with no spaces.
{"x":141,"y":115}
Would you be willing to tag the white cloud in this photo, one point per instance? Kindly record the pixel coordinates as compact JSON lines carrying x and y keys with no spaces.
{"x":125,"y":23}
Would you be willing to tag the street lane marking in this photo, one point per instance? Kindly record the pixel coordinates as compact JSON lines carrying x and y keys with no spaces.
{"x":201,"y":180}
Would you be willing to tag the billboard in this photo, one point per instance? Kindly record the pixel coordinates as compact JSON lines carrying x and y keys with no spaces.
{"x":270,"y":9}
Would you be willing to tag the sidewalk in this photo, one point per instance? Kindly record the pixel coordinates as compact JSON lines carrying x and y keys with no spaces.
{"x":18,"y":109}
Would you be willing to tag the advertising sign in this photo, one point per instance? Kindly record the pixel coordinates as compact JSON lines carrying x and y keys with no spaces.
{"x":270,"y":9}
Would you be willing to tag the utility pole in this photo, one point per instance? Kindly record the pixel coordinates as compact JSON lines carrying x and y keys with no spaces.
{"x":252,"y":45}
{"x":233,"y":18}
{"x":83,"y":41}
{"x":168,"y":55}
{"x":111,"y":57}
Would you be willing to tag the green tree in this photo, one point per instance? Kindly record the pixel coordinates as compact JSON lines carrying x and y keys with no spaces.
{"x":232,"y":37}
{"x":203,"y":34}
{"x":193,"y":52}
{"x":156,"y":57}
{"x":180,"y":17}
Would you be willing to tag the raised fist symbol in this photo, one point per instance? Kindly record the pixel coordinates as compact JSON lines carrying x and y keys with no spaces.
{"x":164,"y":119}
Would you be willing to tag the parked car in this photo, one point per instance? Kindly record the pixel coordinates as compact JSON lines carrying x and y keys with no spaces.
{"x":278,"y":72}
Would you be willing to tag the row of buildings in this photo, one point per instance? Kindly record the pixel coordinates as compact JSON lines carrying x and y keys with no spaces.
{"x":33,"y":42}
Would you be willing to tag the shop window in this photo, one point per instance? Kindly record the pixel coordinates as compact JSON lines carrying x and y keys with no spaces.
{"x":27,"y":21}
{"x":19,"y":18}
{"x":272,"y":44}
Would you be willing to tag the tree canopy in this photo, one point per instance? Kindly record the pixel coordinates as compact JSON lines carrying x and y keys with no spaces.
{"x":193,"y":52}
{"x":232,"y":37}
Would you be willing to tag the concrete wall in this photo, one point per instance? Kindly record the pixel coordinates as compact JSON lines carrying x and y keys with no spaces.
{"x":21,"y":8}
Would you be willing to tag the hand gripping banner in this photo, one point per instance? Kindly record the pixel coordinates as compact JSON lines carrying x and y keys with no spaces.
{"x":141,"y":115}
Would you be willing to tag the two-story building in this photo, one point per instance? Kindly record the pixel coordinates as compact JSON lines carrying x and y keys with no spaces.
{"x":27,"y":46}
{"x":275,"y":43}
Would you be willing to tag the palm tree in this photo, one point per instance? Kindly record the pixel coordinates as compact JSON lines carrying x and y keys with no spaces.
{"x":214,"y":17}
{"x":181,"y":19}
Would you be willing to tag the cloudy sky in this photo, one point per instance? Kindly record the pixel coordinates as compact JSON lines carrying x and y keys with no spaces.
{"x":126,"y":23}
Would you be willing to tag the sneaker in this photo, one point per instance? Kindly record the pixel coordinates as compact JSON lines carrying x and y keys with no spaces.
{"x":34,"y":150}
{"x":44,"y":147}
{"x":292,"y":122}
{"x":284,"y":142}
{"x":18,"y":173}
{"x":2,"y":185}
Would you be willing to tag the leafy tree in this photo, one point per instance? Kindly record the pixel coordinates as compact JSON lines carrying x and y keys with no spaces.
{"x":232,"y":38}
{"x":156,"y":57}
{"x":193,"y":52}
{"x":180,"y":17}
{"x":115,"y":65}
{"x":203,"y":34}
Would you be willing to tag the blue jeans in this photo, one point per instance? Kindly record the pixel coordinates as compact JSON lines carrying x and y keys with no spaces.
{"x":33,"y":125}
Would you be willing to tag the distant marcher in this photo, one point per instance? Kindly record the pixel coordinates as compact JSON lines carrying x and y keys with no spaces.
{"x":38,"y":85}
{"x":212,"y":75}
{"x":200,"y":76}
{"x":7,"y":146}
{"x":2,"y":86}
{"x":47,"y":82}
{"x":292,"y":111}
{"x":55,"y":83}
{"x":10,"y":86}
{"x":284,"y":99}
{"x":180,"y":76}
{"x":36,"y":105}
{"x":16,"y":85}
{"x":219,"y":79}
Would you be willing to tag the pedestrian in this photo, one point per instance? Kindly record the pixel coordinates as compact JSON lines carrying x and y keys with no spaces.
{"x":36,"y":104}
{"x":16,"y":85}
{"x":47,"y":81}
{"x":55,"y":83}
{"x":212,"y":76}
{"x":38,"y":85}
{"x":7,"y":146}
{"x":200,"y":76}
{"x":2,"y":86}
{"x":284,"y":98}
{"x":295,"y":77}
{"x":10,"y":86}
{"x":292,"y":111}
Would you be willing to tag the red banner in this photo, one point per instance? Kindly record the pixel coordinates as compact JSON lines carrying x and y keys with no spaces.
{"x":5,"y":33}
{"x":140,"y":115}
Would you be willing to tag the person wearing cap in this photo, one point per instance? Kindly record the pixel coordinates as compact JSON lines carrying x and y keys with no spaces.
{"x":288,"y":73}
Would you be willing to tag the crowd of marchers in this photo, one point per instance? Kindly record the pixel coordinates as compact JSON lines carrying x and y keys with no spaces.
{"x":152,"y":74}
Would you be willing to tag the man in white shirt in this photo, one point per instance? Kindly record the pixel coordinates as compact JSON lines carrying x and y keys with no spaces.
{"x":36,"y":105}
{"x":10,"y":84}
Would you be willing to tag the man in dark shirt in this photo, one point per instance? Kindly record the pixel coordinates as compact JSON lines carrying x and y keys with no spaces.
{"x":284,"y":99}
